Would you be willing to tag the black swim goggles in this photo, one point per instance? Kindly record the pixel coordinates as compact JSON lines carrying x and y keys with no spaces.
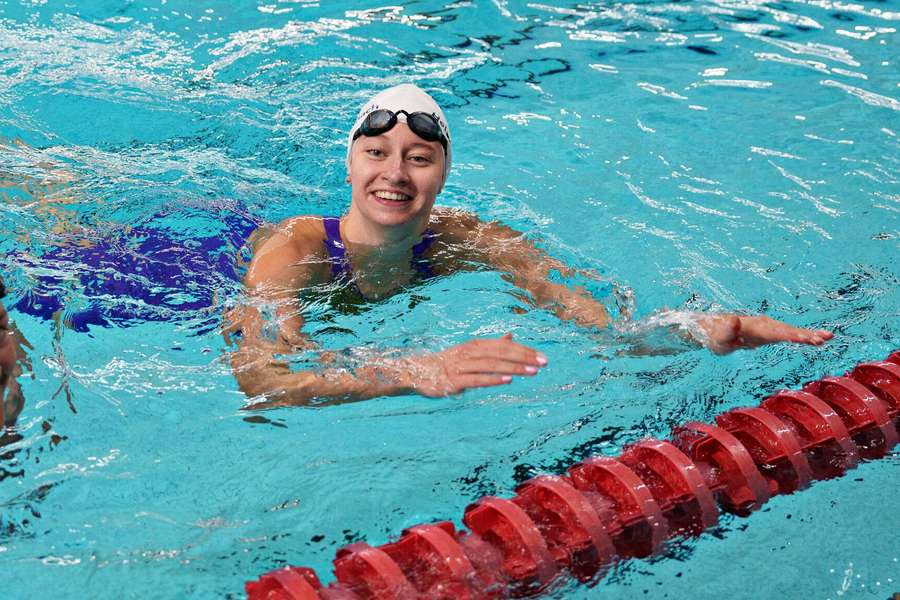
{"x":422,"y":124}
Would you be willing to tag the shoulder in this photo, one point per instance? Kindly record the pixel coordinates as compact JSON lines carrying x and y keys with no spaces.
{"x":292,"y":242}
{"x":456,"y":225}
{"x":302,"y":234}
{"x":304,"y":228}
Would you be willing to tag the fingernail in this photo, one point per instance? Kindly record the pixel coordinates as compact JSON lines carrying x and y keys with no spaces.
{"x":541,"y":359}
{"x":506,"y":378}
{"x":530,"y":370}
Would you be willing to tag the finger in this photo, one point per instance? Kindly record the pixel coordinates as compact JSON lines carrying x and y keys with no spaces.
{"x":817,"y":338}
{"x":463,"y":382}
{"x":810,"y":336}
{"x":760,"y":330}
{"x":506,"y":349}
{"x":495,"y":365}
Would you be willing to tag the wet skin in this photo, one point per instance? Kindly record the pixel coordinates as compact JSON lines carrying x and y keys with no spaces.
{"x":11,"y":400}
{"x":395,"y":178}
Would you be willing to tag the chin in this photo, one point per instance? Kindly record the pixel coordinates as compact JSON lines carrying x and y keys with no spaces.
{"x":394,"y":218}
{"x":387,"y":214}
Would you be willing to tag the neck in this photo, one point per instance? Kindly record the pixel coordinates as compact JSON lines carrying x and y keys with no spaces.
{"x":372,"y":239}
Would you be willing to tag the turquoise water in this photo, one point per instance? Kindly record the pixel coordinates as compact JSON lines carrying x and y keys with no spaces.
{"x":732,"y":155}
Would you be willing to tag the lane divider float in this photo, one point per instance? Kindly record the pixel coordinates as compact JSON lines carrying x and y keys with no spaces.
{"x":606,"y":508}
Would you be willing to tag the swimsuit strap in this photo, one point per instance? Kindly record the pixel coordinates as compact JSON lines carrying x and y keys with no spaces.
{"x":419,"y":262}
{"x":337,"y":253}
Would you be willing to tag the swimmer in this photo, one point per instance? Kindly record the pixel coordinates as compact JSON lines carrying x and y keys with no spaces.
{"x":144,"y":269}
{"x":398,"y":158}
{"x":11,"y":399}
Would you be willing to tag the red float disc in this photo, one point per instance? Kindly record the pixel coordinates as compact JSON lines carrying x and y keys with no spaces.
{"x":371,"y":573}
{"x":569,"y":524}
{"x":860,"y":410}
{"x":743,"y":488}
{"x":894,"y":358}
{"x":336,"y":591}
{"x":491,"y":581}
{"x":289,"y":583}
{"x":816,"y":422}
{"x":674,"y":480}
{"x":633,"y":503}
{"x":433,"y":561}
{"x":772,"y":446}
{"x":526,"y":558}
{"x":883,"y":378}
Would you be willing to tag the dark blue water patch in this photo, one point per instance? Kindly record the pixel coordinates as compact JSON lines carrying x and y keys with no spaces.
{"x":125,"y":278}
{"x":702,"y":50}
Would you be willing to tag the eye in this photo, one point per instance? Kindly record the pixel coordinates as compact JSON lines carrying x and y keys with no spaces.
{"x":375,"y":152}
{"x":420,"y":159}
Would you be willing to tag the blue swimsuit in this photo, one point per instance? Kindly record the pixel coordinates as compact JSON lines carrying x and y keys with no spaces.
{"x":340,"y":264}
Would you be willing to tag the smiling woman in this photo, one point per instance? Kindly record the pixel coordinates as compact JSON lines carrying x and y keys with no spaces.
{"x":725,"y":156}
{"x":398,"y":158}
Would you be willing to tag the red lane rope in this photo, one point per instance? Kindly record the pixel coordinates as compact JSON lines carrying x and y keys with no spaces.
{"x":607,"y":508}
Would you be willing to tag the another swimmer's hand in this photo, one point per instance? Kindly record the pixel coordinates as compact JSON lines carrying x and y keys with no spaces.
{"x":479,"y":363}
{"x":11,"y":401}
{"x":727,"y":333}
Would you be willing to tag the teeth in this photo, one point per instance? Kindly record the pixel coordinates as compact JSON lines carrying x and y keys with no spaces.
{"x":392,"y":196}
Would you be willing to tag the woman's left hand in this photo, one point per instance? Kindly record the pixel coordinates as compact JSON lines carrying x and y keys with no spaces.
{"x":728,"y":333}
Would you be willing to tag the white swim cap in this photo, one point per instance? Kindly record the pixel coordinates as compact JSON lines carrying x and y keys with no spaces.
{"x":410,"y":98}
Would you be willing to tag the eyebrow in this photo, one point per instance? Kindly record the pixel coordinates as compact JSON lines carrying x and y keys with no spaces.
{"x":415,"y":145}
{"x":424,"y":145}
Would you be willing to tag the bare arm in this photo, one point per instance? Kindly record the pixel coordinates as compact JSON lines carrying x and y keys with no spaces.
{"x":282,"y":266}
{"x":11,"y":351}
{"x":529,"y":268}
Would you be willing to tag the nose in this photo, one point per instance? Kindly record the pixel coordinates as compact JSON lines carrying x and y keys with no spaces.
{"x":396,"y":171}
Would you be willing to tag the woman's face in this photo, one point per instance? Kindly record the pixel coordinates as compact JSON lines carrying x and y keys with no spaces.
{"x":395,"y":176}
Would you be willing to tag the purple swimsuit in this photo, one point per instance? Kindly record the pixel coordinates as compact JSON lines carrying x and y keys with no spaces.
{"x":340,"y":264}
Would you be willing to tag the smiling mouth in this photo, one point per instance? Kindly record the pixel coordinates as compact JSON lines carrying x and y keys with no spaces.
{"x":393,"y":196}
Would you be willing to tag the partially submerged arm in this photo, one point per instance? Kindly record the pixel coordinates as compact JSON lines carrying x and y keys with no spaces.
{"x":529,"y":268}
{"x":727,"y":333}
{"x":270,"y":323}
{"x":286,"y":263}
{"x":11,"y":400}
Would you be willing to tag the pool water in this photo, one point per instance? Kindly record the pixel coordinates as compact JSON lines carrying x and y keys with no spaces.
{"x":736,"y":156}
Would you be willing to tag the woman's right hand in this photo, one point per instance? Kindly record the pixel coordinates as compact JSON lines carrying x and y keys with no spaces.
{"x":478,"y":363}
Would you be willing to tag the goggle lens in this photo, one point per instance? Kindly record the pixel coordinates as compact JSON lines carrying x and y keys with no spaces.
{"x":378,"y":122}
{"x":422,"y":124}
